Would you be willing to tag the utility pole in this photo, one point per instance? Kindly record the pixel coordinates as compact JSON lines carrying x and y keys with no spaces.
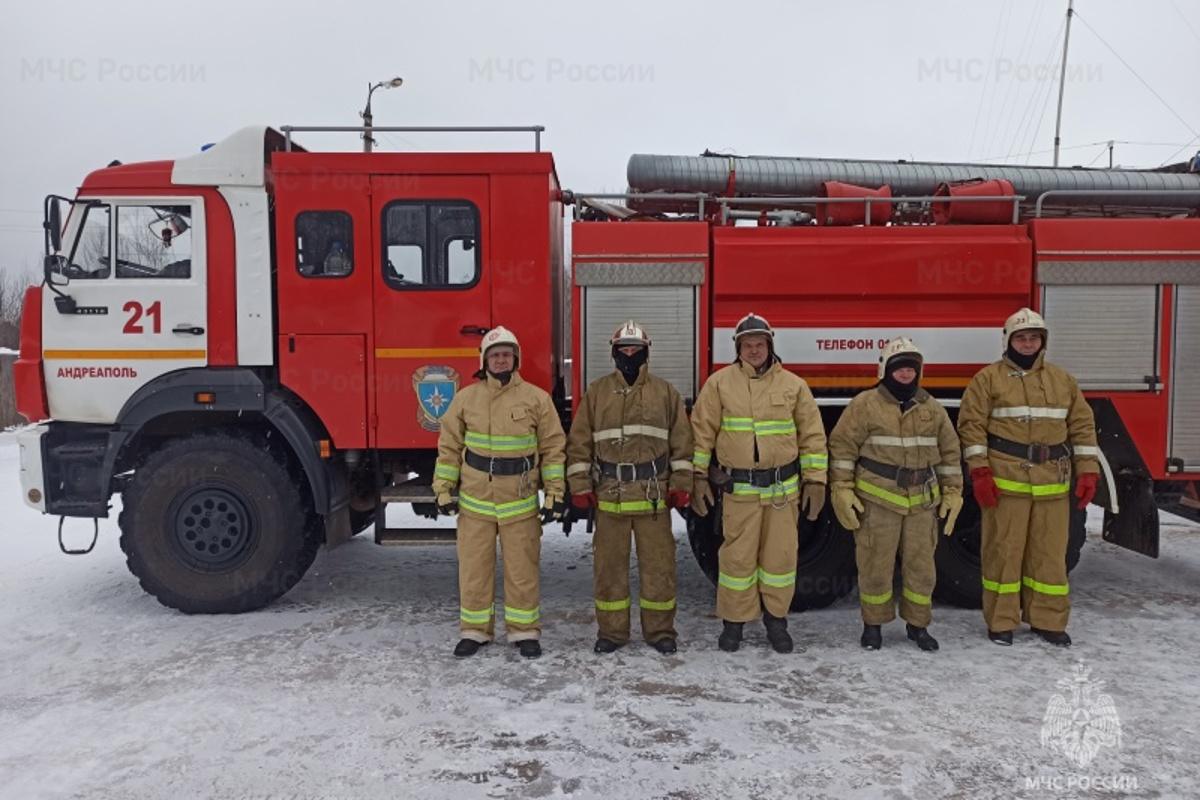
{"x":368,"y":119}
{"x":1062,"y":80}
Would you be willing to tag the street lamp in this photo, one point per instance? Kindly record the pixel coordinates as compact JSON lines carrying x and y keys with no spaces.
{"x":366,"y":112}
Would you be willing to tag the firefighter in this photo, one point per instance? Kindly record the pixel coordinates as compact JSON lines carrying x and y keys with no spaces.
{"x":763,"y":427}
{"x":629,"y":459}
{"x":894,"y":459}
{"x":1025,"y":427}
{"x":500,"y":438}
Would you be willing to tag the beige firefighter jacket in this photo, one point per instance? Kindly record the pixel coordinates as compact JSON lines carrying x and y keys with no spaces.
{"x":628,"y":425}
{"x":919,"y":437}
{"x":759,"y":422}
{"x":1041,"y":406}
{"x":513,"y":421}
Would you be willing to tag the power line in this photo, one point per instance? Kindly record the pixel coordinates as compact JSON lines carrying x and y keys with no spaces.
{"x":1139,"y":77}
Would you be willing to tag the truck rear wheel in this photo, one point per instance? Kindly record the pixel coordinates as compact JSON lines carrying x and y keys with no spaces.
{"x":214,"y":524}
{"x":825,"y":567}
{"x":959,"y":574}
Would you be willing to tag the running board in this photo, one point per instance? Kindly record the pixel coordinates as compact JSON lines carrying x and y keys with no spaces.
{"x":415,"y":536}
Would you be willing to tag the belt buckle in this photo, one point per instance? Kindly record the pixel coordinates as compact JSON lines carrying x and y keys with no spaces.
{"x":1037,"y":453}
{"x":904,"y":476}
{"x":492,"y":465}
{"x":621,"y":465}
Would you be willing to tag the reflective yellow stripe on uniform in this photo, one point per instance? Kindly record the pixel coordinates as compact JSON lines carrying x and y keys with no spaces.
{"x":481,"y":617}
{"x":775,"y":427}
{"x":1040,"y":490}
{"x":1001,"y":588}
{"x":737,"y":584}
{"x":875,"y":599}
{"x":446,"y":472}
{"x":628,"y":506}
{"x":551,"y":472}
{"x":701,"y":460}
{"x":777,"y":581}
{"x":919,"y":599}
{"x":1029,"y":412}
{"x":737,"y":424}
{"x":612,"y":605}
{"x":925,"y":498}
{"x":498,"y":510}
{"x":486,"y":441}
{"x":521,"y":616}
{"x":814,"y":461}
{"x":1046,"y":588}
{"x":653,"y":605}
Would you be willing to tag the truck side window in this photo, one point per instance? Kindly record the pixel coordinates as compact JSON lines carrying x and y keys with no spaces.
{"x":324,"y":244}
{"x":154,"y":242}
{"x":90,"y":257}
{"x":431,"y":244}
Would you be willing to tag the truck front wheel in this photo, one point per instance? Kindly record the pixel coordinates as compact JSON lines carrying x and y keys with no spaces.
{"x":214,"y":524}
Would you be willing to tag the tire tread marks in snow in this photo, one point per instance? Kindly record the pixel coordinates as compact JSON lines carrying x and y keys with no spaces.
{"x":278,"y":538}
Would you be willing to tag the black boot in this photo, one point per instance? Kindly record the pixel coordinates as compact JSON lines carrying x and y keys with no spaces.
{"x":606,"y":646}
{"x":665,"y":646}
{"x":921,"y":637}
{"x":1056,"y":638}
{"x":872,"y":637}
{"x":777,"y":633}
{"x":529,"y":648}
{"x":467,"y":647}
{"x":1001,"y":637}
{"x":731,"y":636}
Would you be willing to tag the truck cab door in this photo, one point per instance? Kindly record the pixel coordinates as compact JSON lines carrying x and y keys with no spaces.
{"x":432,"y":299}
{"x":135,"y":274}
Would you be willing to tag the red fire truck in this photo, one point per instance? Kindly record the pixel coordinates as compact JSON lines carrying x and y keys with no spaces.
{"x":253,"y":345}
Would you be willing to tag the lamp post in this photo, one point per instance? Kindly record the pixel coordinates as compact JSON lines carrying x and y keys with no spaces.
{"x":366,"y":112}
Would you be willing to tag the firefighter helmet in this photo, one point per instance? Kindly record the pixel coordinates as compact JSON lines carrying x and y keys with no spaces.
{"x":752,"y":323}
{"x":900,"y":349}
{"x":630,"y":335}
{"x":1025,"y":320}
{"x":499,"y":335}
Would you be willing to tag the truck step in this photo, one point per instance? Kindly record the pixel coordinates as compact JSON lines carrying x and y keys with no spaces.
{"x":407,"y":493}
{"x":415,"y":536}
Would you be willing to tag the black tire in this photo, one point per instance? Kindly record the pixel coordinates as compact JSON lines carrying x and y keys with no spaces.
{"x":825,"y":566}
{"x":215,"y":524}
{"x":959,"y":574}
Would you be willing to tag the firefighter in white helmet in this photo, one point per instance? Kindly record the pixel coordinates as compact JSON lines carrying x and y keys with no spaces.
{"x":894,"y":469}
{"x":500,"y":440}
{"x":629,"y":458}
{"x":758,"y":425}
{"x":1026,"y":428}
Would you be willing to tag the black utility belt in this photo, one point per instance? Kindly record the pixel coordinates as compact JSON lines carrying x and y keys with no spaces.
{"x":763,"y":477}
{"x":626,"y":472}
{"x":1032,"y":452}
{"x":904,"y":476}
{"x":500,"y":466}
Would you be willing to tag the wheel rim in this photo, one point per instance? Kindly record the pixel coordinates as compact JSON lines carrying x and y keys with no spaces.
{"x":213,"y":529}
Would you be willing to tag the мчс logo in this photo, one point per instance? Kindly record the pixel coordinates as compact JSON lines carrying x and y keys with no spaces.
{"x":1081,"y":720}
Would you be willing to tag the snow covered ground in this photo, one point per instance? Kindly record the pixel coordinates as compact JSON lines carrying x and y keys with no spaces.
{"x":345,"y":688}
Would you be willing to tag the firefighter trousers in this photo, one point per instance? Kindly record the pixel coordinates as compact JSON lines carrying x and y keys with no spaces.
{"x":1024,"y":558}
{"x":521,"y":549}
{"x":880,"y":534}
{"x":757,"y":562}
{"x":656,"y":574}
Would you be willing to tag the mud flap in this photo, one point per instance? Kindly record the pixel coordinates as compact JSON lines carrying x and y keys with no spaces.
{"x":1136,"y":527}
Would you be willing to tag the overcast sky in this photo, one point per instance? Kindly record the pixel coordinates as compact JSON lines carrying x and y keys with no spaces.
{"x":85,"y":83}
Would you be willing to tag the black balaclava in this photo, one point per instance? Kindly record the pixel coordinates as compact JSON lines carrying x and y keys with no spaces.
{"x":901,"y":391}
{"x":1024,"y":362}
{"x":630,"y":366}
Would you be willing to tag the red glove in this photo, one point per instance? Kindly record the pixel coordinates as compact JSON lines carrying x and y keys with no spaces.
{"x":983,"y":483}
{"x":1085,"y":489}
{"x":584,"y":501}
{"x":678,"y":499}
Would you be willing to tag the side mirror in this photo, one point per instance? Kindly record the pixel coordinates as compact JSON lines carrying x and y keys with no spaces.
{"x":53,"y":225}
